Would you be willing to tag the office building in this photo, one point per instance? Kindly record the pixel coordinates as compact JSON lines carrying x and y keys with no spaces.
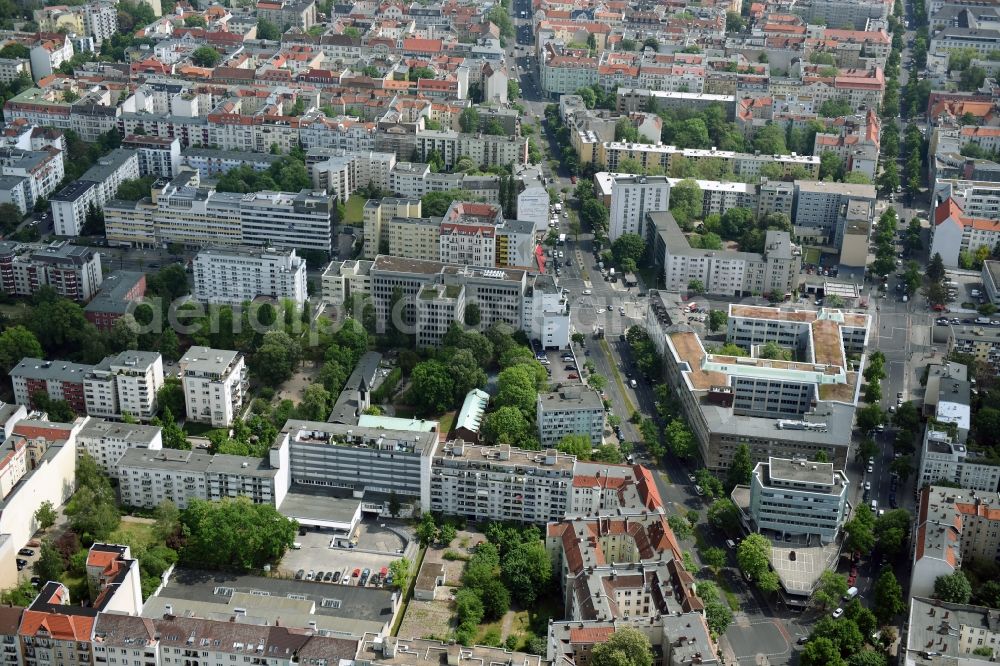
{"x":97,"y":186}
{"x":378,"y":212}
{"x":501,"y":483}
{"x":233,"y":276}
{"x":775,"y":271}
{"x":570,"y":410}
{"x":182,"y":212}
{"x":341,"y":172}
{"x":952,"y":525}
{"x":124,"y":384}
{"x":73,"y":271}
{"x":106,"y":441}
{"x":120,"y":292}
{"x":632,"y":197}
{"x":215,"y":384}
{"x":798,"y":497}
{"x":783,"y":409}
{"x":360,"y":460}
{"x":546,"y":312}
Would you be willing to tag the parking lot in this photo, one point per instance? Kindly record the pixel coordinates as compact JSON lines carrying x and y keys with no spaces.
{"x":377,"y":547}
{"x":561,"y":371}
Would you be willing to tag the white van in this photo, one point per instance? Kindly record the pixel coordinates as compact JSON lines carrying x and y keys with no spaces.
{"x":983,"y":321}
{"x":851,"y":593}
{"x":874,"y":506}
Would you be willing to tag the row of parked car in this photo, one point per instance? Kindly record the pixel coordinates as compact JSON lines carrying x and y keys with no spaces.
{"x":358,"y":576}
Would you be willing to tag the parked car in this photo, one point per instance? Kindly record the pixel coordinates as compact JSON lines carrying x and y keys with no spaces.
{"x":300,"y":574}
{"x":336,"y":577}
{"x":572,"y":375}
{"x":837,"y":613}
{"x":27,"y":552}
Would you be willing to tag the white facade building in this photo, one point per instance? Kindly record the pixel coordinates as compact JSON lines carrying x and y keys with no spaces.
{"x":798,"y":497}
{"x":631,"y":198}
{"x":232,"y":276}
{"x":106,"y":441}
{"x":570,"y":410}
{"x":124,"y":384}
{"x":215,"y":382}
{"x":945,"y":459}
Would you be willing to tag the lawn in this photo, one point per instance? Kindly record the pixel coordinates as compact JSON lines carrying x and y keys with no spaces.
{"x":447,"y":421}
{"x":198,"y":429}
{"x":133,"y":534}
{"x":354,"y":211}
{"x":812,"y":256}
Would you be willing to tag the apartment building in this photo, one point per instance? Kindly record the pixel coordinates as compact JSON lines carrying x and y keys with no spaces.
{"x":342,"y":281}
{"x":947,"y":632}
{"x":341,"y":172}
{"x":717,"y":196}
{"x":158,"y":156}
{"x":546,"y":312}
{"x":48,"y":53}
{"x":96,"y":187}
{"x":952,"y":525}
{"x":73,"y":271}
{"x":954,"y":232}
{"x":500,"y":482}
{"x":570,"y":410}
{"x":215,"y":383}
{"x":820,"y":208}
{"x":106,"y":441}
{"x":210,"y":162}
{"x":486,"y":150}
{"x":379,"y":211}
{"x":182,"y":212}
{"x":232,"y":277}
{"x":288,"y":13}
{"x":41,"y":171}
{"x":37,"y":464}
{"x":799,"y":497}
{"x":502,"y":295}
{"x":119,"y":293}
{"x":856,"y":141}
{"x":944,"y":458}
{"x":775,"y":271}
{"x":149,"y":477}
{"x":744,"y":165}
{"x":980,"y":342}
{"x":168,"y":637}
{"x":784,"y":409}
{"x":632,"y":197}
{"x":437,"y":307}
{"x":124,"y":384}
{"x":60,"y":380}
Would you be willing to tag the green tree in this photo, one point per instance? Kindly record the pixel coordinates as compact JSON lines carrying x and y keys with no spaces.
{"x":935,"y":270}
{"x":427,"y":530}
{"x":576,"y":445}
{"x":394,"y":505}
{"x":167,"y":520}
{"x":754,"y":556}
{"x":869,"y":417}
{"x":400,"y":570}
{"x":686,"y":202}
{"x":16,"y":343}
{"x":832,"y":587}
{"x":888,"y":597}
{"x":831,"y":166}
{"x":714,"y":557}
{"x":835,"y":108}
{"x":49,"y":565}
{"x":954,"y":588}
{"x":740,"y":468}
{"x":626,"y":647}
{"x":526,"y":571}
{"x":892,"y":529}
{"x":206,"y":56}
{"x":276,"y":358}
{"x":628,"y":246}
{"x":717,"y":320}
{"x":680,"y":439}
{"x":506,"y":425}
{"x":707,"y":481}
{"x":267,"y":30}
{"x":860,"y":530}
{"x":469,"y":120}
{"x":724,"y":515}
{"x":770,"y":140}
{"x":234,"y":534}
{"x":821,"y":652}
{"x":45,"y":515}
{"x":432,"y":387}
{"x":446,"y":534}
